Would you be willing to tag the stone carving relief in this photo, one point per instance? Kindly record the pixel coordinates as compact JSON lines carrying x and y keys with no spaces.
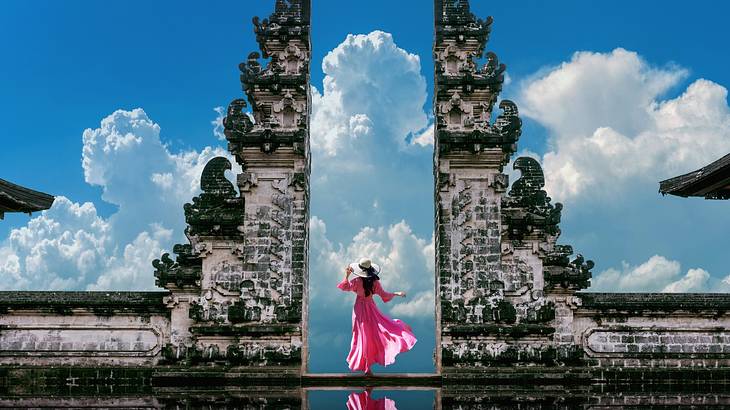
{"x":288,"y":113}
{"x":463,"y":125}
{"x":561,"y":272}
{"x":247,"y":181}
{"x":291,"y":61}
{"x":527,"y":209}
{"x":456,"y":113}
{"x":453,"y":61}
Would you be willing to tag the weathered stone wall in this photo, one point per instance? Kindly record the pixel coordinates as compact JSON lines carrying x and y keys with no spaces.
{"x":82,"y":328}
{"x":653,"y":330}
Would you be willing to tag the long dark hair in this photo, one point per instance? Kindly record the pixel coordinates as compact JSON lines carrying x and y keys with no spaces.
{"x":369,"y":281}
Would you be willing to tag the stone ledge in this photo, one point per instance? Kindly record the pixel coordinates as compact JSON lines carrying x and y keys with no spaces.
{"x":65,"y":301}
{"x":691,"y":302}
{"x":546,"y":375}
{"x":278,"y":376}
{"x":516,"y":331}
{"x":245,"y":330}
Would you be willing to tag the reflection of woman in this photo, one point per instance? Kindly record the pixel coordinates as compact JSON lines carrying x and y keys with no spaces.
{"x":376,"y":338}
{"x":363,"y":401}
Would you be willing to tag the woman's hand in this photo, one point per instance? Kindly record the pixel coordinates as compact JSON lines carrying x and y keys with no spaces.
{"x":402,"y":294}
{"x":348,"y":271}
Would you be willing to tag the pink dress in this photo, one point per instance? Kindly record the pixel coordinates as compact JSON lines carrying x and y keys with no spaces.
{"x":363,"y":401}
{"x":376,"y":338}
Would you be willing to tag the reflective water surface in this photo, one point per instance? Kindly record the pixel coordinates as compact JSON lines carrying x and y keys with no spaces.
{"x":371,"y":399}
{"x":129,"y":388}
{"x":451,"y":397}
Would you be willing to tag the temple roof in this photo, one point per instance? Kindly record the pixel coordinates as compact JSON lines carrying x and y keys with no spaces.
{"x":711,"y":182}
{"x":15,"y":198}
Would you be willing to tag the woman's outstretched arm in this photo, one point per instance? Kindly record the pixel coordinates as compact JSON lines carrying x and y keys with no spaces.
{"x":385,"y":295}
{"x":345,"y":285}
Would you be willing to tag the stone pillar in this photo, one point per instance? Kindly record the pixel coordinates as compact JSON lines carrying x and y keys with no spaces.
{"x":504,"y":289}
{"x":470,"y":152}
{"x":493,"y":247}
{"x":239,"y":290}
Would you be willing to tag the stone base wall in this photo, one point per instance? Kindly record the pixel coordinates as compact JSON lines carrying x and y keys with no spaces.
{"x":653,"y":330}
{"x":83,"y":328}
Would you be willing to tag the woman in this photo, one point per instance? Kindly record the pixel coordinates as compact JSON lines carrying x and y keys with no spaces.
{"x":376,"y":338}
{"x":365,"y":401}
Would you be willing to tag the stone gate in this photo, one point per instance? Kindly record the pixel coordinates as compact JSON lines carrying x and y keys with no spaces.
{"x":507,"y":294}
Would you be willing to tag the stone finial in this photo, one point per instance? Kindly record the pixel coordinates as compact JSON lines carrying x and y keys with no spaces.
{"x":527,"y":209}
{"x":528,"y":189}
{"x":277,"y":90}
{"x":217,"y":211}
{"x":456,"y":22}
{"x":508,"y":126}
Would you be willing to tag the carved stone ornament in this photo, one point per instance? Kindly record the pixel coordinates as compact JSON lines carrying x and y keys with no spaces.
{"x":527,"y":209}
{"x":288,"y":112}
{"x":247,"y":181}
{"x":561,"y":272}
{"x":499,"y":182}
{"x":290,"y":21}
{"x":299,"y":181}
{"x":456,"y":113}
{"x":493,"y":69}
{"x":278,"y":94}
{"x":185,"y":271}
{"x":453,"y":61}
{"x":217,"y":211}
{"x":503,"y":134}
{"x":456,"y":22}
{"x":236,"y":122}
{"x":291,"y":61}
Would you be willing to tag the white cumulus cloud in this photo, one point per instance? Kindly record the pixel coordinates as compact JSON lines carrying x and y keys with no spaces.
{"x":70,"y":246}
{"x":696,"y":280}
{"x":370,"y":134}
{"x":406,"y":264}
{"x":657,"y":274}
{"x":616,"y":126}
{"x":369,"y":82}
{"x":610,"y":129}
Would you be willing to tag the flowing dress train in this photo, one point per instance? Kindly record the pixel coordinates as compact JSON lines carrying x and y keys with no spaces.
{"x":376,"y":338}
{"x":363,"y":401}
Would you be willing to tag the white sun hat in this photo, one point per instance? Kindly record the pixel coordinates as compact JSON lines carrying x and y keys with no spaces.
{"x":358,"y":268}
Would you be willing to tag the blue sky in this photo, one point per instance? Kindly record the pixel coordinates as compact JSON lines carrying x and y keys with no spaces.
{"x":627,"y":111}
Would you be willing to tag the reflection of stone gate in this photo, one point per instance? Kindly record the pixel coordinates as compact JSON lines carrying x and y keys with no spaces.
{"x":236,"y":300}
